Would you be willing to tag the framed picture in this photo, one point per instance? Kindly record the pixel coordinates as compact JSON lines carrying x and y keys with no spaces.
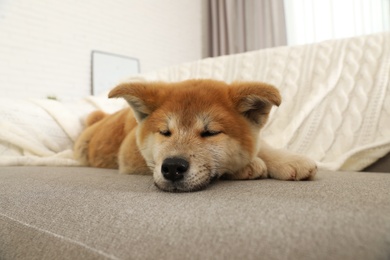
{"x":109,"y":69}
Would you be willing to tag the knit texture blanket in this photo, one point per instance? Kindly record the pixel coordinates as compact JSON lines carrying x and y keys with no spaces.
{"x":336,"y":96}
{"x":335,"y":108}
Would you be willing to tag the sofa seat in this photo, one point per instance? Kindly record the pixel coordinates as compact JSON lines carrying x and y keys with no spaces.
{"x":89,"y":213}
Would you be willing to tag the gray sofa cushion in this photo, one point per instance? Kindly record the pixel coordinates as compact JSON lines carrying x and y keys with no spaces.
{"x":86,"y":213}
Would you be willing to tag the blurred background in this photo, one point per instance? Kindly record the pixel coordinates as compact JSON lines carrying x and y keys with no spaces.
{"x":63,"y":49}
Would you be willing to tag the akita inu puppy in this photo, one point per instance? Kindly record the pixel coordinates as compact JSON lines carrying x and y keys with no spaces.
{"x":189,"y":133}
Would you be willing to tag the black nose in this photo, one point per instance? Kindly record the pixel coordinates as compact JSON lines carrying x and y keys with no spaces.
{"x":173,"y":169}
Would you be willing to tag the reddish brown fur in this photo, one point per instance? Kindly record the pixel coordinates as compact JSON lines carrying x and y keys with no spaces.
{"x":185,"y":99}
{"x":194,"y":96}
{"x":94,"y":117}
{"x":132,"y":139}
{"x":108,"y":135}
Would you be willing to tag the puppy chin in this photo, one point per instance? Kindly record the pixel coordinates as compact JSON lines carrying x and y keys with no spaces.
{"x":183,"y":185}
{"x":179,"y":186}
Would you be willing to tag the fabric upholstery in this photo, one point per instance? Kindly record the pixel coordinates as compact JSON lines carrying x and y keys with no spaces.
{"x":382,"y":165}
{"x":88,"y":213}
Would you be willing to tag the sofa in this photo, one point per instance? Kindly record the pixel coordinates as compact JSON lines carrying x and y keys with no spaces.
{"x":335,"y":109}
{"x":88,"y":213}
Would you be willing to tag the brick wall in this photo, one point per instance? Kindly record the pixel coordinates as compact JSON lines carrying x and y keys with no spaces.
{"x":45,"y":45}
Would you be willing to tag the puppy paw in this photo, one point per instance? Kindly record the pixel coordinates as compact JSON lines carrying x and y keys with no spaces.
{"x":254,"y":170}
{"x":293,"y":167}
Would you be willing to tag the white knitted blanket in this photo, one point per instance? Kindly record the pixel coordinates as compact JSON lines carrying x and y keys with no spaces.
{"x":336,"y":96}
{"x":336,"y":104}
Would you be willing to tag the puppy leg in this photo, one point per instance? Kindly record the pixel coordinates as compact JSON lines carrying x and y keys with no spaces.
{"x":82,"y":144}
{"x":284,"y":165}
{"x":257,"y":169}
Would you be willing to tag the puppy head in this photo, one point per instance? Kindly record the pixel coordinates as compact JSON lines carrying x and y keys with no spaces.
{"x":194,"y":131}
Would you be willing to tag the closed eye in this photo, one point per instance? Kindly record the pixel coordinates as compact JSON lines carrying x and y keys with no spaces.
{"x":166,"y":133}
{"x":208,"y":133}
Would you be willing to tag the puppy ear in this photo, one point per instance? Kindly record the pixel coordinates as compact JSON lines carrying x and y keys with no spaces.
{"x":254,"y":100}
{"x":142,"y":97}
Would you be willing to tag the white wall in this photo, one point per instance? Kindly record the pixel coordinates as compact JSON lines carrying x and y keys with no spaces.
{"x":45,"y":45}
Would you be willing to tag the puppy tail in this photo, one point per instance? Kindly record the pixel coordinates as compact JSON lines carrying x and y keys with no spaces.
{"x":94,"y":117}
